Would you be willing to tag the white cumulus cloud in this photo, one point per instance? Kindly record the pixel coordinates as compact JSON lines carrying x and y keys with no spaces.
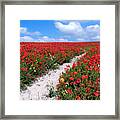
{"x":93,"y":31}
{"x":26,"y":39}
{"x":74,"y":28}
{"x":37,"y":33}
{"x":23,"y":30}
{"x":48,"y":39}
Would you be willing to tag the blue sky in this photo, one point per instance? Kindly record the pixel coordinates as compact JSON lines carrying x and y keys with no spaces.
{"x":59,"y":30}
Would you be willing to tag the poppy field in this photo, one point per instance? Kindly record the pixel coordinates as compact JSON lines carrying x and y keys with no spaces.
{"x":80,"y":81}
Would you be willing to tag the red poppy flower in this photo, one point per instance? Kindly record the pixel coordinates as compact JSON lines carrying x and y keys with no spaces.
{"x":85,"y":61}
{"x":40,"y":63}
{"x":87,"y":90}
{"x":24,"y":69}
{"x":75,"y":73}
{"x":96,"y":93}
{"x":71,"y":83}
{"x":78,"y":80}
{"x":84,"y":77}
{"x":69,"y":91}
{"x":74,"y":65}
{"x":77,"y":97}
{"x":22,"y":60}
{"x":74,"y":83}
{"x":71,"y":78}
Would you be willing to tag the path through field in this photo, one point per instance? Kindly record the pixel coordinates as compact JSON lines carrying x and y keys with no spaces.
{"x":40,"y":89}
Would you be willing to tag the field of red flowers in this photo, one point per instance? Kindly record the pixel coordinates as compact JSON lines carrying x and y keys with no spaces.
{"x":81,"y":81}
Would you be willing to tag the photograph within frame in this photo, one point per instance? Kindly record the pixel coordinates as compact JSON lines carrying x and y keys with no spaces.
{"x":34,"y":116}
{"x":60,"y":59}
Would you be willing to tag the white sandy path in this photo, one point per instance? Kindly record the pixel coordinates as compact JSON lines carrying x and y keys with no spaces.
{"x":40,"y":89}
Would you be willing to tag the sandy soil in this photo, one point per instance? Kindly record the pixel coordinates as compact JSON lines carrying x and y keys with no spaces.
{"x":40,"y":89}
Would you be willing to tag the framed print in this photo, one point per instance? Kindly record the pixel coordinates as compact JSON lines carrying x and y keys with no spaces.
{"x":60,"y":59}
